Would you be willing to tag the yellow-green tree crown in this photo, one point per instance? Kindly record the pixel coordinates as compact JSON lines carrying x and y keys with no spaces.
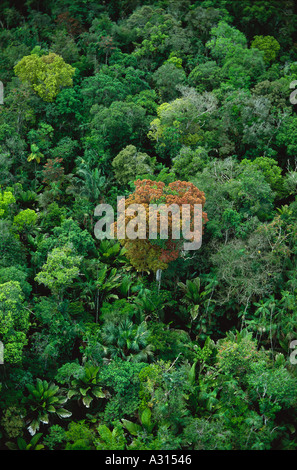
{"x":47,"y":74}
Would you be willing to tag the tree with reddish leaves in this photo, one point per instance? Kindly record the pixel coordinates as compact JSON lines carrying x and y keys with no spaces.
{"x":150,"y":250}
{"x":53,"y":171}
{"x":71,"y":24}
{"x":107,"y":46}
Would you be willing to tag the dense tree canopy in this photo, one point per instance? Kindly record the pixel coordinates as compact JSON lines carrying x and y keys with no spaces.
{"x":160,"y":102}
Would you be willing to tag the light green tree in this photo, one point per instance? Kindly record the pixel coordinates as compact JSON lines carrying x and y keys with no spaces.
{"x":47,"y":74}
{"x":226,"y":41}
{"x":6,"y":199}
{"x":189,"y":162}
{"x":129,"y":163}
{"x":268,"y":44}
{"x":25,"y":220}
{"x":35,"y":154}
{"x":14,"y":321}
{"x":110,"y":440}
{"x":60,"y":269}
{"x":180,"y":122}
{"x":270,"y":169}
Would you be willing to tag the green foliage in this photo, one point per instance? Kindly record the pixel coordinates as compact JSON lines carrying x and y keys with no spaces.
{"x":205,"y":77}
{"x":226,"y":41}
{"x":16,"y":273}
{"x":121,"y":379}
{"x":25,"y":220}
{"x":110,"y":440}
{"x":268,"y":44}
{"x":14,"y":321}
{"x":43,"y":399}
{"x":179,"y":122}
{"x":164,"y":390}
{"x":191,"y":295}
{"x":270,"y":169}
{"x":118,"y":125}
{"x":12,"y":422}
{"x":66,"y":233}
{"x":67,"y":371}
{"x":55,"y":334}
{"x":55,"y":437}
{"x":23,"y":445}
{"x":111,"y":252}
{"x":244,"y":412}
{"x":86,"y":388}
{"x":167,"y":78}
{"x":60,"y":270}
{"x":6,"y":199}
{"x":130,"y":163}
{"x":145,"y":420}
{"x":169,"y":343}
{"x":189,"y":162}
{"x":127,"y":341}
{"x":79,"y":437}
{"x":237,"y":355}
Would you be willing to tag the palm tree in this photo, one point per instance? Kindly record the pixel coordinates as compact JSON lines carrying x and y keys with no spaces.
{"x":149,"y":304}
{"x":111,"y":252}
{"x":43,"y":399}
{"x":100,"y":286}
{"x":127,"y":341}
{"x":93,"y":183}
{"x":106,"y":282}
{"x":86,"y":388}
{"x":191,"y":295}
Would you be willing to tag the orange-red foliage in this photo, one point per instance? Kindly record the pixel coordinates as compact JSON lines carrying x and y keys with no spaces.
{"x":148,"y":254}
{"x":53,"y":171}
